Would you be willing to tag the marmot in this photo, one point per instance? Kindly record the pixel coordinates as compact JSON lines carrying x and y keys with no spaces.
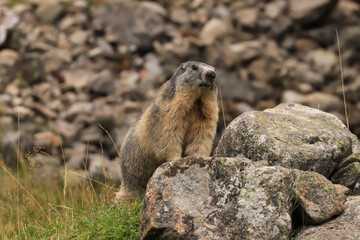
{"x":180,"y":122}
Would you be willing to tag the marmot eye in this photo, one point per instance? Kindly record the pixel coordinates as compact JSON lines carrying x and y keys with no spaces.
{"x":194,"y":67}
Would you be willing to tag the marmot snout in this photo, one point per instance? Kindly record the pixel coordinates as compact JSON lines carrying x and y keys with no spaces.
{"x":180,"y":122}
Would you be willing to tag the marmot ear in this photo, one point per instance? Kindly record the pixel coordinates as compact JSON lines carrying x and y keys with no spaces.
{"x":183,"y":66}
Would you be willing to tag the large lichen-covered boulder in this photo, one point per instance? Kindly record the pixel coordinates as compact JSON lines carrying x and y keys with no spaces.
{"x":233,"y":198}
{"x":289,"y":135}
{"x":346,"y":226}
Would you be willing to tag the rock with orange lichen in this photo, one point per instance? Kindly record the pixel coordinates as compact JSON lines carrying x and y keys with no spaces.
{"x":233,"y":198}
{"x":346,"y":226}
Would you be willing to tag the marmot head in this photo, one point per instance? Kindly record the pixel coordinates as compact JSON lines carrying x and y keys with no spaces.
{"x":194,"y":74}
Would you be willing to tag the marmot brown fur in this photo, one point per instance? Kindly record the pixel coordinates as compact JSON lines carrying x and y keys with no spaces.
{"x":180,"y":122}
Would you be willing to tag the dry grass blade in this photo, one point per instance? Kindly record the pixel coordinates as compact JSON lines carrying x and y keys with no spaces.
{"x":77,"y":174}
{"x":31,"y":196}
{"x":94,"y":180}
{"x":112,"y":140}
{"x":342,"y":77}
{"x":17,"y":169}
{"x":222,"y":105}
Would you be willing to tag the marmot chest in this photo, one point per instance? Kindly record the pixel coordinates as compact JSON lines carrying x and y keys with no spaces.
{"x":193,"y":119}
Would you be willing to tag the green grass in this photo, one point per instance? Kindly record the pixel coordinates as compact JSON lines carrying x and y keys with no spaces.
{"x":98,"y":222}
{"x":31,"y":208}
{"x":109,"y":222}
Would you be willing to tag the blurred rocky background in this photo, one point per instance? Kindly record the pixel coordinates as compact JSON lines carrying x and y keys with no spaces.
{"x":73,"y":73}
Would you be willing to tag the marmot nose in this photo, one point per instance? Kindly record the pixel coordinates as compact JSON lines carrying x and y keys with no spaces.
{"x":210,"y":76}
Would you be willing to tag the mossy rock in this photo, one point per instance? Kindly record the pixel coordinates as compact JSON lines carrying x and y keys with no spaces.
{"x":289,"y":135}
{"x":345,"y":226}
{"x":348,"y":175}
{"x":233,"y":198}
{"x":29,"y":70}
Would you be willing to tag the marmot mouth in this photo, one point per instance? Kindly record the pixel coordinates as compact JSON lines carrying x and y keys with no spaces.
{"x":207,"y":85}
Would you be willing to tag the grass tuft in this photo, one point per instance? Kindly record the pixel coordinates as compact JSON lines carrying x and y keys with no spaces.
{"x":31,"y":208}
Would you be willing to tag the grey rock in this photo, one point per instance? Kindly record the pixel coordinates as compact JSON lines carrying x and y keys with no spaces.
{"x":247,"y":17}
{"x":345,"y":226}
{"x":296,"y":72}
{"x":231,"y":198}
{"x":79,"y":37}
{"x":304,"y":45}
{"x":245,"y":51}
{"x":41,"y":159}
{"x":45,"y":166}
{"x":275,"y":8}
{"x":350,"y":36}
{"x":355,"y":157}
{"x":242,"y":107}
{"x":351,"y":91}
{"x":290,"y":135}
{"x":264,"y":69}
{"x":308,"y":11}
{"x":84,"y":120}
{"x":233,"y":87}
{"x":155,"y":7}
{"x":56,"y":59}
{"x":8,"y":21}
{"x":179,"y":15}
{"x":8,"y":57}
{"x":47,"y":140}
{"x":323,"y":34}
{"x":347,"y":10}
{"x":317,"y":208}
{"x":25,"y":113}
{"x":356,"y":190}
{"x":29,"y":69}
{"x":280,"y":26}
{"x":306,"y":75}
{"x":290,"y":96}
{"x":91,"y":134}
{"x":153,"y":67}
{"x":105,"y":114}
{"x":67,"y":22}
{"x":212,"y":30}
{"x":355,"y":143}
{"x":103,"y":48}
{"x":139,"y":26}
{"x":66,"y":129}
{"x":73,"y":177}
{"x":10,"y":144}
{"x":49,"y":12}
{"x":78,"y":108}
{"x":76,"y":157}
{"x":342,"y":189}
{"x":102,"y":169}
{"x":326,"y":102}
{"x":103,"y":84}
{"x":324,"y":60}
{"x":348,"y":175}
{"x":43,"y":110}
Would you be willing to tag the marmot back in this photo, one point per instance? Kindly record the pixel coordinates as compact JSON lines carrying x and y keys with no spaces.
{"x":180,"y":122}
